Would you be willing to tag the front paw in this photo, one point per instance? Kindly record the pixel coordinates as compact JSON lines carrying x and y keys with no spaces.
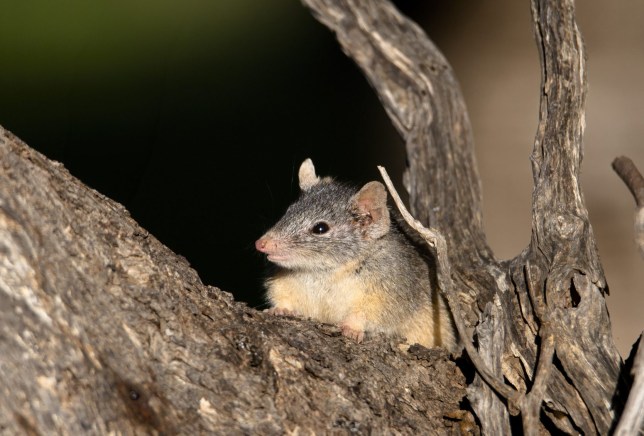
{"x":280,"y":311}
{"x":356,"y":335}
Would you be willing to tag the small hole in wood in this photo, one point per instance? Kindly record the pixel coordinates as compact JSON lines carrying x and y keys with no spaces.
{"x":575,"y":298}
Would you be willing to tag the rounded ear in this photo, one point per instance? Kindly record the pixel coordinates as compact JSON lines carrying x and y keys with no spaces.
{"x":369,"y":206}
{"x":307,"y":175}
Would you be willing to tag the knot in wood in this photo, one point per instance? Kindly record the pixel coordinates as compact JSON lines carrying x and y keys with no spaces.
{"x":567,"y":226}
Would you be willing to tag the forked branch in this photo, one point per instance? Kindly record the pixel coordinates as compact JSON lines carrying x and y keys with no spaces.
{"x":548,"y":302}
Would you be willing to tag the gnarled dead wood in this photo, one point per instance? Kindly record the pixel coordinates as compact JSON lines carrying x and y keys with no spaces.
{"x":549,"y":331}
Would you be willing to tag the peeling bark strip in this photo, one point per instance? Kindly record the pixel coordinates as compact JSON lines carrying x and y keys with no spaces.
{"x":540,"y":320}
{"x":103,"y":329}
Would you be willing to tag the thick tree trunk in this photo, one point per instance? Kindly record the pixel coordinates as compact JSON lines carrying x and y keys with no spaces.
{"x":102,"y":328}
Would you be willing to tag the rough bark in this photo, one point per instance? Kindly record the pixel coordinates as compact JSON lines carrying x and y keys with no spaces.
{"x":541,"y":317}
{"x":102,"y":329}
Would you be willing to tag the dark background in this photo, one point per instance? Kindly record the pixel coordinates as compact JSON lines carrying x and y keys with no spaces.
{"x":196,"y":115}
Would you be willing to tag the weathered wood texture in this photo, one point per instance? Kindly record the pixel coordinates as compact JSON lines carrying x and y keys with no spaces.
{"x":540,"y":319}
{"x":102,"y":328}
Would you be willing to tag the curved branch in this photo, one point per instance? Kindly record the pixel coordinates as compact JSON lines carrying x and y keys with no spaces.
{"x":420,"y":93}
{"x":631,"y":176}
{"x":633,"y":179}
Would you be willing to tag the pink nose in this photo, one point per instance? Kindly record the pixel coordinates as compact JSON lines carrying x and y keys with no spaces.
{"x":262,"y":244}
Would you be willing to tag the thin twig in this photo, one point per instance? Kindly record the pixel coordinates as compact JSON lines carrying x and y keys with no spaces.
{"x":633,"y":179}
{"x":437,"y":241}
{"x":628,"y":172}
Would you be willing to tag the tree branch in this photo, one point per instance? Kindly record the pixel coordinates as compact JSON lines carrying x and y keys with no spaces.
{"x":105,"y":330}
{"x":562,"y":252}
{"x":633,"y":179}
{"x":420,"y":93}
{"x":630,"y":175}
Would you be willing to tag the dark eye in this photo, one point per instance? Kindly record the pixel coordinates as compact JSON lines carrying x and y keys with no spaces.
{"x":320,"y":228}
